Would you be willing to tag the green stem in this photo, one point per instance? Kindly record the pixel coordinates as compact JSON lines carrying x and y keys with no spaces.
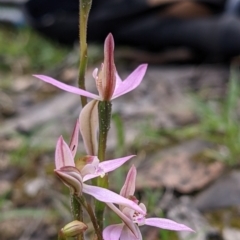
{"x":84,"y":9}
{"x":100,"y":206}
{"x":104,"y":111}
{"x":77,"y":212}
{"x":92,"y":216}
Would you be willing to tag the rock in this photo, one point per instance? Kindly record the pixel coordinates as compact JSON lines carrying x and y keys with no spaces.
{"x":13,"y":228}
{"x":23,"y":83}
{"x":7,"y":107}
{"x":33,"y":186}
{"x":231,"y":234}
{"x":175,"y":169}
{"x":224,"y":192}
{"x":183,"y":212}
{"x":10,"y":173}
{"x":41,"y":113}
{"x":5,"y":187}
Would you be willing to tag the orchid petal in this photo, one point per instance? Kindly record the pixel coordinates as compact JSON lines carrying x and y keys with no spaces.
{"x":74,"y":139}
{"x":167,"y":224}
{"x":113,"y":232}
{"x":107,"y":196}
{"x":111,"y":165}
{"x":90,"y":168}
{"x":118,"y":81}
{"x":131,"y":82}
{"x":95,"y":73}
{"x":128,"y":235}
{"x":93,"y":168}
{"x":127,"y":220}
{"x":63,"y":154}
{"x":108,"y":166}
{"x":66,"y":87}
{"x":143,"y":207}
{"x":128,"y":188}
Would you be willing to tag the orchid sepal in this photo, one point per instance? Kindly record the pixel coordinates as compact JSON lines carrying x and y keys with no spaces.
{"x":106,"y":77}
{"x":74,"y":139}
{"x":107,"y":196}
{"x":128,"y":188}
{"x":113,"y":232}
{"x":63,"y":154}
{"x":72,"y":178}
{"x":167,"y":224}
{"x":128,"y":222}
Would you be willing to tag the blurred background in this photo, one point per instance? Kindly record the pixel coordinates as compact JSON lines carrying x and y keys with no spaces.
{"x":182,"y":122}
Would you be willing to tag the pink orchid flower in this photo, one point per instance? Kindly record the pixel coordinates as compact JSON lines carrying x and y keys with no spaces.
{"x":93,"y":167}
{"x":129,"y":230}
{"x":108,"y":83}
{"x":75,"y":178}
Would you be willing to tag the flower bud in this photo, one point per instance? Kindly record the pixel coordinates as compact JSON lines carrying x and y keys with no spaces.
{"x":89,"y":125}
{"x":73,"y":229}
{"x":72,"y":178}
{"x":106,"y":78}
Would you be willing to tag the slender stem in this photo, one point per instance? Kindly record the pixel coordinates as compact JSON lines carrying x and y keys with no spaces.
{"x":104,"y":111}
{"x":92,"y":216}
{"x":77,"y":212}
{"x":84,"y":9}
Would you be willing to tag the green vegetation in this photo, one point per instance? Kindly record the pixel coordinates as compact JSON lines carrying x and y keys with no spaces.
{"x":24,"y":50}
{"x":219,"y":122}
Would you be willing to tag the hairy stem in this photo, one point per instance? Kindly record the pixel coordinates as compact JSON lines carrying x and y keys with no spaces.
{"x":91,"y":214}
{"x":84,"y":9}
{"x":104,"y":112}
{"x":77,"y":212}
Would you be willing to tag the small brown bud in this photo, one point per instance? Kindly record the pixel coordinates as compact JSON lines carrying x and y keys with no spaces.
{"x":73,"y":229}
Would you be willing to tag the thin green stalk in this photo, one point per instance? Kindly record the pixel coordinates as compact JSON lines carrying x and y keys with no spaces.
{"x":77,"y":212}
{"x":104,"y":111}
{"x":92,"y":216}
{"x":84,"y":9}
